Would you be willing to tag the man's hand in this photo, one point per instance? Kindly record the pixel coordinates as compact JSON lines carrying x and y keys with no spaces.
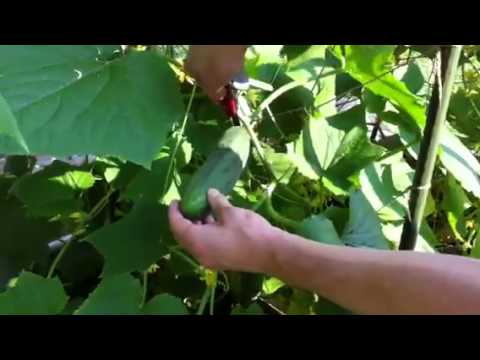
{"x":213,"y":66}
{"x":239,"y":240}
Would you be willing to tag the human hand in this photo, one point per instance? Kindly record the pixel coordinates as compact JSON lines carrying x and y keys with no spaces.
{"x":239,"y":240}
{"x":213,"y":66}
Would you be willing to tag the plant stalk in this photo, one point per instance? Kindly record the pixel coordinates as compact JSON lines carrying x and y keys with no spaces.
{"x":431,"y":139}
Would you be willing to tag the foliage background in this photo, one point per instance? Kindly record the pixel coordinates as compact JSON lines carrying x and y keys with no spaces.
{"x":98,"y":139}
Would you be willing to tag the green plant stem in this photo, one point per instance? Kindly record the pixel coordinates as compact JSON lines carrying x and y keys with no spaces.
{"x":276,"y":217}
{"x":179,"y":141}
{"x":100,"y":205}
{"x":277,"y":93}
{"x":429,"y":146}
{"x":246,"y":123}
{"x":204,"y":300}
{"x":145,"y":288}
{"x":94,"y":212}
{"x":185,"y":257}
{"x":212,"y":299}
{"x":58,"y":258}
{"x":261,"y":154}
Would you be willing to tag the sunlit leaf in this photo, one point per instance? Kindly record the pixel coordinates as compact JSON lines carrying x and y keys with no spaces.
{"x":53,"y":190}
{"x":426,"y":241}
{"x":363,"y":228}
{"x":371,"y":65}
{"x":89,"y":99}
{"x":385,"y":186}
{"x":319,"y":228}
{"x":271,"y":285}
{"x":460,"y":162}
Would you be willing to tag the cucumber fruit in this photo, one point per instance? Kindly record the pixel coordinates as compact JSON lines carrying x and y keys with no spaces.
{"x":223,"y":168}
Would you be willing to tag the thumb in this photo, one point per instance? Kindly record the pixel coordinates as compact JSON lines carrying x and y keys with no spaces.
{"x":218,"y":203}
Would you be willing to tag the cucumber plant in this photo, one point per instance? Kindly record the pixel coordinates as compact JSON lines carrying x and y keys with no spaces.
{"x":332,"y":150}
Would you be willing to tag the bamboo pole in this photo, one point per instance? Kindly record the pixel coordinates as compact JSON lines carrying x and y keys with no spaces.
{"x":431,"y":139}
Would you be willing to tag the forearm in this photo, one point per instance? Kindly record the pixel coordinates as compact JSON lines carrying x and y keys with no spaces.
{"x":370,"y":281}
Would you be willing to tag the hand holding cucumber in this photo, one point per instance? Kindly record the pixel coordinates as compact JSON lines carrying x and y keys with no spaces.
{"x":232,"y":239}
{"x":366,"y":281}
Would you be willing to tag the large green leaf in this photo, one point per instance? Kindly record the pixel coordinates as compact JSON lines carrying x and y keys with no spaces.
{"x":33,"y":295}
{"x":337,"y":148}
{"x":455,"y":202}
{"x":460,"y":162}
{"x":24,"y":239}
{"x":354,"y":153}
{"x":86,"y":99}
{"x":371,"y":65}
{"x":464,"y":115}
{"x":311,"y":68}
{"x":115,"y":295}
{"x":9,"y":127}
{"x":264,"y":61}
{"x":150,"y":184}
{"x":53,"y":190}
{"x":453,"y":154}
{"x":134,"y":242}
{"x":282,"y":165}
{"x":164,"y":305}
{"x":385,"y":186}
{"x":417,"y":76}
{"x":363,"y":228}
{"x":319,"y":228}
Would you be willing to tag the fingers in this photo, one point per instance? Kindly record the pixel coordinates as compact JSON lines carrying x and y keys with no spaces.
{"x":213,"y":66}
{"x":209,"y":219}
{"x":179,"y":225}
{"x":218,"y":203}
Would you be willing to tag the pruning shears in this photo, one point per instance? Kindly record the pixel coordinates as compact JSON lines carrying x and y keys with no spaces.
{"x":237,"y":88}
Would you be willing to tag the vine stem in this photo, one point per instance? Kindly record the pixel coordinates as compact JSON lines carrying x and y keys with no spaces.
{"x":445,"y":77}
{"x":256,"y":143}
{"x":145,"y":285}
{"x":94,"y":212}
{"x":212,"y":298}
{"x":204,"y":300}
{"x":179,"y":140}
{"x":100,"y":205}
{"x":185,"y":257}
{"x":290,"y":224}
{"x":246,"y":123}
{"x":58,"y":258}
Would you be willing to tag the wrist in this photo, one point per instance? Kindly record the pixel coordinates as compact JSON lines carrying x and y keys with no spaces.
{"x":276,"y":243}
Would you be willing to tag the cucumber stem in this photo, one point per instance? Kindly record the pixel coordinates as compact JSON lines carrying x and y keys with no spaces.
{"x":204,"y":300}
{"x":178,"y":142}
{"x":212,"y":298}
{"x":280,"y":219}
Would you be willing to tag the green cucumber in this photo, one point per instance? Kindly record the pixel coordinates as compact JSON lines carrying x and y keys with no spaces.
{"x":223,"y":168}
